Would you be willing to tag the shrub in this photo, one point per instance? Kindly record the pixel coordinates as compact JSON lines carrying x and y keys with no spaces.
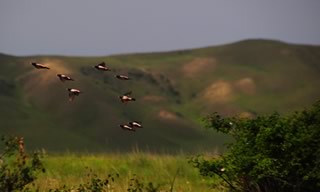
{"x":17,"y":170}
{"x":268,"y":153}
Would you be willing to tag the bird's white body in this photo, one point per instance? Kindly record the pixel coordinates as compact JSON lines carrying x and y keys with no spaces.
{"x":76,"y":91}
{"x":122,"y":77}
{"x":126,"y":98}
{"x":135,"y":124}
{"x":102,"y":67}
{"x":127,"y":127}
{"x":64,"y":78}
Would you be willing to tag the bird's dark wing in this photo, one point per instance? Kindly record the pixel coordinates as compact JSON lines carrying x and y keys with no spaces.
{"x":102,"y":64}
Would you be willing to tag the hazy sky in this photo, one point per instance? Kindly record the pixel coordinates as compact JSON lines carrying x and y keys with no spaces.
{"x":103,"y":27}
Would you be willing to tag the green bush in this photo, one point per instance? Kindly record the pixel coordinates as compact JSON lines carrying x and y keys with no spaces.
{"x":268,"y":153}
{"x":17,"y":170}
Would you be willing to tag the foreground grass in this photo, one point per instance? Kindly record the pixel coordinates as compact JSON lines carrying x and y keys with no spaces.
{"x":72,"y":169}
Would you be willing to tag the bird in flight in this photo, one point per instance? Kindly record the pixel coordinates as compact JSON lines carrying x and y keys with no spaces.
{"x":39,"y":66}
{"x":73,"y":93}
{"x":125,"y":98}
{"x":127,"y":127}
{"x":64,"y":78}
{"x":102,"y":67}
{"x":122,"y":77}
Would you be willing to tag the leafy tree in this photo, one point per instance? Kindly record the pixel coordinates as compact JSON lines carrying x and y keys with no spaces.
{"x":268,"y":153}
{"x":17,"y":170}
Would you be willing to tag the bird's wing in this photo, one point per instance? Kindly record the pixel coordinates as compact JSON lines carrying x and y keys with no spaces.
{"x":61,"y":78}
{"x":102,"y":64}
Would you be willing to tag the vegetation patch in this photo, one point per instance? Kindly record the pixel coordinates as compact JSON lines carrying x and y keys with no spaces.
{"x":268,"y":153}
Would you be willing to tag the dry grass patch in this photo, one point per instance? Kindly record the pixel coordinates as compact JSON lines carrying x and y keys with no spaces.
{"x":164,"y":114}
{"x":40,"y":82}
{"x":246,"y":115}
{"x":43,"y":77}
{"x":218,"y":92}
{"x":246,"y":85}
{"x":198,"y":65}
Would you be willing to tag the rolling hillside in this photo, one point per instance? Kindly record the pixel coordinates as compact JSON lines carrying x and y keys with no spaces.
{"x":174,"y":90}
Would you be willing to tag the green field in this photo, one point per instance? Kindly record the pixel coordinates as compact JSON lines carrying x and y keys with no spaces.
{"x":174,"y":90}
{"x":71,"y":170}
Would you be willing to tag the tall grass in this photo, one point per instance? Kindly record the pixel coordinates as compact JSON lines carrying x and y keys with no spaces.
{"x":72,"y":169}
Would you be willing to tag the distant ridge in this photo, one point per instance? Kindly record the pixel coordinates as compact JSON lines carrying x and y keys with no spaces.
{"x":253,"y":40}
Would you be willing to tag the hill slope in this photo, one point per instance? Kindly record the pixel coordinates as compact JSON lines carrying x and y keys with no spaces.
{"x":173,"y":90}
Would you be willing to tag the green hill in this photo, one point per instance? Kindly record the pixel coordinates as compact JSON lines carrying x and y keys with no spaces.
{"x":174,"y":90}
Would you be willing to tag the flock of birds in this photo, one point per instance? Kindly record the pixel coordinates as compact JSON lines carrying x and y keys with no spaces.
{"x":125,"y":98}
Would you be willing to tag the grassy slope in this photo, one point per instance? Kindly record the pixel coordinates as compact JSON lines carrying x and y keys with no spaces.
{"x":173,"y":90}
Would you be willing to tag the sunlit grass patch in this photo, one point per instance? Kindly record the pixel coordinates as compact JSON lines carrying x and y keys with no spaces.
{"x":73,"y":169}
